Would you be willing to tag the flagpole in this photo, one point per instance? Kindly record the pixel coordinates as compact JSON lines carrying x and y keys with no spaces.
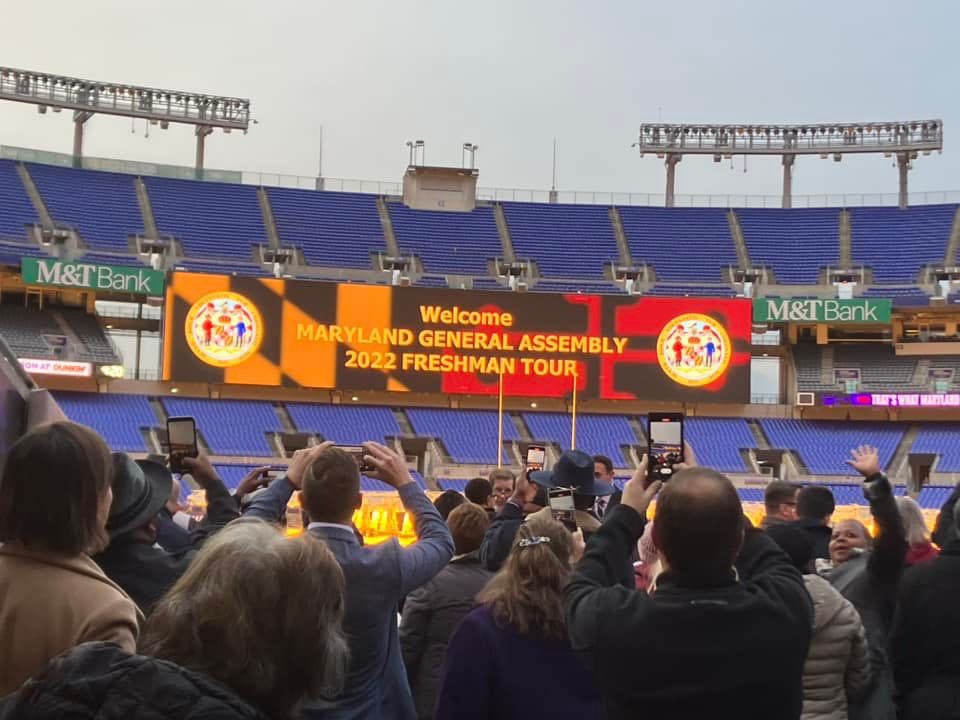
{"x":573,"y":421}
{"x":500,"y":423}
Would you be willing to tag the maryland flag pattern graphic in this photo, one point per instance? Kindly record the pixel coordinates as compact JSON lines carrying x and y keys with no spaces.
{"x":299,"y":333}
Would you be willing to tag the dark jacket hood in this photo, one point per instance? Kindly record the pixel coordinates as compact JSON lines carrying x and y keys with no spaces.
{"x":99,"y":680}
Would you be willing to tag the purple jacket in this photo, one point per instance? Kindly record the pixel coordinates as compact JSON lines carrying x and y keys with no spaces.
{"x":492,"y":671}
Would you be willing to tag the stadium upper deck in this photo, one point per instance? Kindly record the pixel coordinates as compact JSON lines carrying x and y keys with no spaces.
{"x":243,"y":229}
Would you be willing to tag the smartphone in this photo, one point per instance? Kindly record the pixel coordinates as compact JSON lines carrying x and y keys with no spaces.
{"x":358,"y":452}
{"x":181,"y":441}
{"x":536,"y":456}
{"x":562,"y":508}
{"x":665,"y":445}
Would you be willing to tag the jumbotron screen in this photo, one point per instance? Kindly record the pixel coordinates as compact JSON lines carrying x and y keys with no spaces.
{"x":300,"y":333}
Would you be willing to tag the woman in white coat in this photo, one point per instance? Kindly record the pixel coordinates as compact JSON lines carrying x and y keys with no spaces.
{"x":837,"y":665}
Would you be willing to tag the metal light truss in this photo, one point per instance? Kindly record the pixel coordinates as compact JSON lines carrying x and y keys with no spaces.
{"x":89,"y":97}
{"x":58,"y":91}
{"x":819,"y":139}
{"x":903,"y":139}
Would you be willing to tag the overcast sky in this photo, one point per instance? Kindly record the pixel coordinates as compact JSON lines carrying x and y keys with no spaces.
{"x":508,"y":75}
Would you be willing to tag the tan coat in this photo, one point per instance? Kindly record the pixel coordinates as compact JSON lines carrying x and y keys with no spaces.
{"x":49,"y":604}
{"x":837,"y":663}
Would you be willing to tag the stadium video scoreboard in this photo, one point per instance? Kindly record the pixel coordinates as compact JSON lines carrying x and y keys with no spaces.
{"x":301,"y":333}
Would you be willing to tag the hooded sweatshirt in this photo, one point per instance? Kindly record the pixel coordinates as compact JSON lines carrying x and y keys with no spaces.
{"x":837,"y":662}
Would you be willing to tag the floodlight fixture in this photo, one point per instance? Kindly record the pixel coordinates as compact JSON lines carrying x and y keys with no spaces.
{"x":904,"y":139}
{"x":87,"y":98}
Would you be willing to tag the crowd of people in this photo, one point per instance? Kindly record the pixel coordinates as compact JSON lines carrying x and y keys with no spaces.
{"x":113,"y":603}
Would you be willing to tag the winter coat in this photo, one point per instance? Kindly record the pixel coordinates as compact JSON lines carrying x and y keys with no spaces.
{"x":926,"y":639}
{"x":430,"y":615}
{"x":49,"y":604}
{"x":146,"y":572}
{"x":499,"y":537}
{"x":99,"y":681}
{"x":817,"y":533}
{"x":837,"y":662}
{"x":493,"y":672}
{"x":770,"y":521}
{"x":732,"y":649}
{"x":870,"y":581}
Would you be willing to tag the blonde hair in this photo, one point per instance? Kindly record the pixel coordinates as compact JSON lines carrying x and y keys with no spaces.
{"x":528,"y":592}
{"x":915,"y":527}
{"x":261,"y":614}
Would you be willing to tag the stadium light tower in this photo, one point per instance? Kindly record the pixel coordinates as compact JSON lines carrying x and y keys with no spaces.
{"x":89,"y":97}
{"x":903,"y":139}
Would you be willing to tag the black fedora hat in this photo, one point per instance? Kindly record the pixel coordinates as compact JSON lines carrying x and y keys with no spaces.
{"x":140,"y":490}
{"x":573,"y":470}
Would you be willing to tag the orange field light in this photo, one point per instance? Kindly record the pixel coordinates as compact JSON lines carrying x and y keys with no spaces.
{"x":382,"y":516}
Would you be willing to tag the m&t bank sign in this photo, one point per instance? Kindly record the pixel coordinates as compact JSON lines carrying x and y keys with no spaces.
{"x":777,"y":310}
{"x":77,"y":274}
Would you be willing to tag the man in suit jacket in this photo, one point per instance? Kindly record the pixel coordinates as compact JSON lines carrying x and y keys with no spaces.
{"x":377,"y":576}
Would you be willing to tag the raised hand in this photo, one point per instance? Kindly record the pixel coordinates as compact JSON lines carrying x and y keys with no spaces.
{"x":689,"y":458}
{"x":302,"y":459}
{"x":635,"y":494}
{"x":525,"y":491}
{"x":390,"y":465}
{"x":200,"y":469}
{"x":579,"y":545}
{"x":256,"y":478}
{"x":866,"y":460}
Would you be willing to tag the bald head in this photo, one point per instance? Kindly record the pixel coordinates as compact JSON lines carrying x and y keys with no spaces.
{"x":699,"y":526}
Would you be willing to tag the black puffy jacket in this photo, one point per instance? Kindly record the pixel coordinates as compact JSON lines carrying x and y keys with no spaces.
{"x":102,"y":682}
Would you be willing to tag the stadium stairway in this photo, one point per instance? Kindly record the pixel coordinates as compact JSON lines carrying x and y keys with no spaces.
{"x":845,"y":234}
{"x":503,"y":229}
{"x":269,"y":221}
{"x":763,"y":443}
{"x":146,"y":209}
{"x":898,"y":463}
{"x":35,"y":197}
{"x":617,"y":222}
{"x":403,"y":422}
{"x":736,"y":232}
{"x":389,"y":234}
{"x":286,"y":422}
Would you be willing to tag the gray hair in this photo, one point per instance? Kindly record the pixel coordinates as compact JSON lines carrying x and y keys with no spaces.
{"x":260,"y":613}
{"x":914,"y":526}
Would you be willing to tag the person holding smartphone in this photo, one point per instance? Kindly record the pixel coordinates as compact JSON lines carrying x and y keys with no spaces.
{"x":141,"y":489}
{"x":574,"y":471}
{"x":377,"y":576}
{"x":726,"y":632}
